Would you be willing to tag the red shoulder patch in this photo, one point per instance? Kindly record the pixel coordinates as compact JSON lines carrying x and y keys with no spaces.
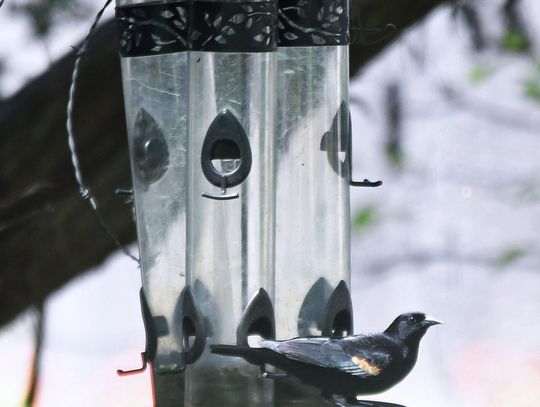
{"x":366,"y":366}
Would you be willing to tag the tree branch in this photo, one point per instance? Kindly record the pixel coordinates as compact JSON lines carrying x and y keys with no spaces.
{"x":47,"y":250}
{"x":377,"y":14}
{"x":50,"y":248}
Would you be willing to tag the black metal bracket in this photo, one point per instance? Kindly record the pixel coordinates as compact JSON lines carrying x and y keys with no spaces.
{"x":258,"y":318}
{"x":120,"y":191}
{"x":338,"y":319}
{"x":335,"y":141}
{"x":151,"y":339}
{"x":126,"y":193}
{"x":365,"y":182}
{"x":144,"y":362}
{"x":193,"y":325}
{"x":224,"y":196}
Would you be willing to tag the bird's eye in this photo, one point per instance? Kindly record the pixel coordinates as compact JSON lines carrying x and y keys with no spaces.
{"x":411,"y":320}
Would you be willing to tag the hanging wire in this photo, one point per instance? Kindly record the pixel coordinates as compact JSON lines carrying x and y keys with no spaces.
{"x":83,"y":188}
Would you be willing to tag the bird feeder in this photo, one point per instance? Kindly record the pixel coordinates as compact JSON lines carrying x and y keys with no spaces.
{"x":155,"y":78}
{"x":230,"y":250}
{"x":313,"y":174}
{"x":239,"y":136}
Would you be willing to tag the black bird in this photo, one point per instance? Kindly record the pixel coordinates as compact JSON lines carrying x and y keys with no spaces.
{"x":346,"y":367}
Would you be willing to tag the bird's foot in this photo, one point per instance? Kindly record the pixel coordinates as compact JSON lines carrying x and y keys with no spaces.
{"x":337,"y":403}
{"x":333,"y":400}
{"x":272,"y":375}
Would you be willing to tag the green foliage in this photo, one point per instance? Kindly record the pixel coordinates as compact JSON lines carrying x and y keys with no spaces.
{"x":515,"y":41}
{"x":395,"y":157}
{"x":480,"y":72}
{"x":44,"y":14}
{"x":532,"y":89}
{"x":532,"y":86}
{"x":364,"y":218}
{"x":510,"y":256}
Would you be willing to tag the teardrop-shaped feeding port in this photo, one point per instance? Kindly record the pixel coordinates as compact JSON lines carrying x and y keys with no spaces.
{"x":226,"y":153}
{"x":336,"y":141}
{"x":193,"y":331}
{"x":312,"y":312}
{"x":338,"y":320}
{"x":258,"y":320}
{"x":151,"y":154}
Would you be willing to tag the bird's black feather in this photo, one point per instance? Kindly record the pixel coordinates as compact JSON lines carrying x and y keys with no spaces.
{"x":361,"y":356}
{"x":350,"y":366}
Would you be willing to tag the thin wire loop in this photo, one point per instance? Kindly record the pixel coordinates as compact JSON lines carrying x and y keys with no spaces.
{"x":83,"y":188}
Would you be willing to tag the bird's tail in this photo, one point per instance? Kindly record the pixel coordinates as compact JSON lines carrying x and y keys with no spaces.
{"x":233,"y":350}
{"x":255,"y":356}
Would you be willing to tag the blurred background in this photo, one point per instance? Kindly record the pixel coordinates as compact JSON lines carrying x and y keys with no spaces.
{"x":445,"y":110}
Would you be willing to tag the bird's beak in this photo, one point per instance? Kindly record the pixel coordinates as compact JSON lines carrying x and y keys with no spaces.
{"x":430,"y":321}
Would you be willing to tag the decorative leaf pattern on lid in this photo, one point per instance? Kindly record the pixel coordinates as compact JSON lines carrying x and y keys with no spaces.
{"x":308,"y":23}
{"x":151,"y":29}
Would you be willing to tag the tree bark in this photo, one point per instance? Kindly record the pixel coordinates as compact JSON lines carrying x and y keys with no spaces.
{"x":48,"y":232}
{"x":371,"y":14}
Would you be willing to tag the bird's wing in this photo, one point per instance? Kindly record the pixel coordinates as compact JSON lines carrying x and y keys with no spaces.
{"x":357,"y":356}
{"x":307,"y":350}
{"x":362,"y":356}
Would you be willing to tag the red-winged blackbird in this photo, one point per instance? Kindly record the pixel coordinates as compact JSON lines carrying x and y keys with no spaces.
{"x":347,"y":367}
